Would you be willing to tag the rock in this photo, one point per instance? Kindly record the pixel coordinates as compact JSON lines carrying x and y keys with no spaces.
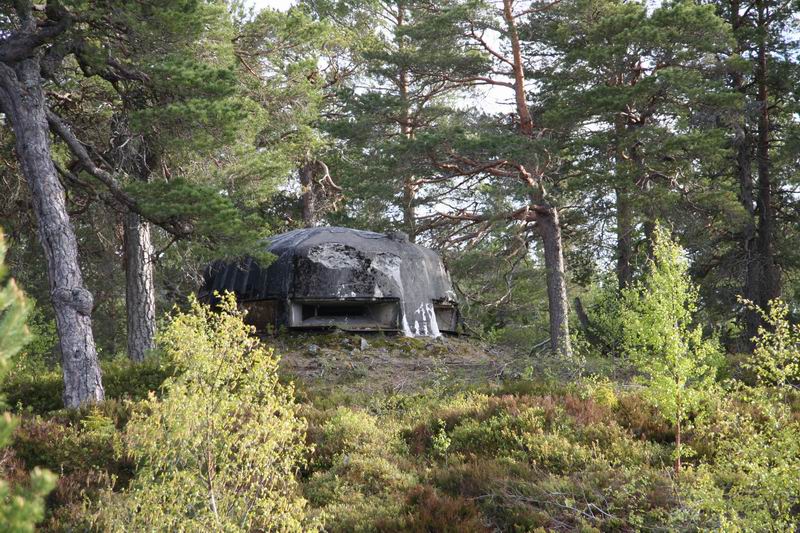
{"x":363,"y":344}
{"x":313,"y":348}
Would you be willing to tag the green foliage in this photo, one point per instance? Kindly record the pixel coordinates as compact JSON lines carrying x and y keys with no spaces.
{"x":39,"y":391}
{"x":212,"y":219}
{"x":74,"y":444}
{"x":220,"y":450}
{"x":752,"y":482}
{"x":776,"y":357}
{"x":21,"y":504}
{"x":358,"y":475}
{"x":502,"y":291}
{"x":677,"y":362}
{"x":13,"y":313}
{"x":41,"y":351}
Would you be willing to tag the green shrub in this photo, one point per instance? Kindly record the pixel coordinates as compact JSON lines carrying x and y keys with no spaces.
{"x":357,"y":473}
{"x":126,"y":379}
{"x":677,"y":364}
{"x":69,"y":447}
{"x":364,"y":513}
{"x":220,"y":450}
{"x":40,"y":391}
{"x":776,"y":358}
{"x":346,"y":432}
{"x":502,"y":433}
{"x":21,"y":504}
{"x":751,"y":481}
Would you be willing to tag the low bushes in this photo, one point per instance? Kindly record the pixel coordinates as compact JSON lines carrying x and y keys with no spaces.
{"x":39,"y":390}
{"x":529,"y":455}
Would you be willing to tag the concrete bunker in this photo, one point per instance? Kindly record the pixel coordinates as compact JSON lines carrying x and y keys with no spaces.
{"x":342,"y":278}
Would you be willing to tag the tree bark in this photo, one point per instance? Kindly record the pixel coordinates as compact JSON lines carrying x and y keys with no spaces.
{"x":409,"y":187}
{"x":131,"y":154}
{"x":549,"y":229}
{"x":624,"y":209}
{"x":762,"y":279}
{"x":624,"y":237}
{"x":752,"y":263}
{"x":23,"y":102}
{"x":525,"y":119}
{"x":407,"y":131}
{"x":307,"y":189}
{"x":547,"y":222}
{"x":743,"y":144}
{"x":140,"y":293}
{"x":770,"y":278}
{"x":409,"y":213}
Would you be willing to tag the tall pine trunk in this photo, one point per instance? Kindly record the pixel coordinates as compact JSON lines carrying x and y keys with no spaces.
{"x":770,"y":278}
{"x":306,"y":172}
{"x":624,"y":209}
{"x":409,"y":186}
{"x":132,"y":155}
{"x":140,"y":293}
{"x":23,"y":102}
{"x":549,"y":229}
{"x":624,"y":237}
{"x":752,"y":263}
{"x":547,"y":222}
{"x":762,"y":280}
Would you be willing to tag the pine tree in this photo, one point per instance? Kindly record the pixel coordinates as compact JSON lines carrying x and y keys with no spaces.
{"x":295,"y":66}
{"x":402,"y":92}
{"x":162,"y":67}
{"x":762,"y":154}
{"x":513,"y":167}
{"x":22,"y":100}
{"x":624,"y":84}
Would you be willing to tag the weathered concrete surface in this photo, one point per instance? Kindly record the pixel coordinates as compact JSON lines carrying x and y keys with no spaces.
{"x":332,"y":264}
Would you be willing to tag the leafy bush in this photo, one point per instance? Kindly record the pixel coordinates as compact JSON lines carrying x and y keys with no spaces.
{"x":21,"y":505}
{"x":751,"y":483}
{"x":358,"y":476}
{"x":40,"y":391}
{"x":220,"y":450}
{"x":677,"y":363}
{"x":346,"y":432}
{"x":776,"y":358}
{"x":69,"y":447}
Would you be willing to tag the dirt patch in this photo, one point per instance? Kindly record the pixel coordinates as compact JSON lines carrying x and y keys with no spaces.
{"x":373,"y":363}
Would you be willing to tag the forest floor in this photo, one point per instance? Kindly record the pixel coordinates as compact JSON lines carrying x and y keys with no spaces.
{"x":420,"y":435}
{"x":375,"y":363}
